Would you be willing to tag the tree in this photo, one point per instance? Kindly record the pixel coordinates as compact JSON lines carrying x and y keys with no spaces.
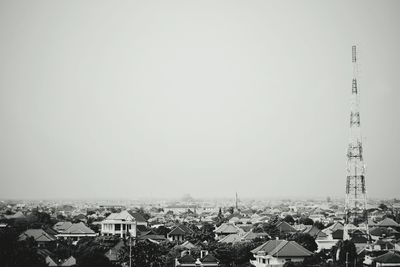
{"x":289,"y":219}
{"x":383,"y":207}
{"x":306,"y":221}
{"x":319,"y":225}
{"x":94,"y":259}
{"x":162,"y":230}
{"x":142,"y":212}
{"x":306,"y":241}
{"x":269,"y":228}
{"x":144,"y":253}
{"x":14,"y":253}
{"x":345,"y":251}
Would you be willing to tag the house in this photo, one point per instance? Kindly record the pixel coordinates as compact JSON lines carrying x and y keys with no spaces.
{"x":74,"y":231}
{"x":388,"y":222}
{"x":151,"y":236}
{"x":40,"y":236}
{"x":277,"y":252}
{"x":391,"y":258}
{"x":205,"y":260}
{"x":112,"y":253}
{"x":250,"y":236}
{"x":179,"y":233}
{"x":70,"y":261}
{"x":122,"y":224}
{"x":232,"y":238}
{"x":285,"y":228}
{"x":227,"y":229}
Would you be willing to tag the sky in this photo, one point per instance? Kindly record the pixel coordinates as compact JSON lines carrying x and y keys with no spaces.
{"x":129,"y":99}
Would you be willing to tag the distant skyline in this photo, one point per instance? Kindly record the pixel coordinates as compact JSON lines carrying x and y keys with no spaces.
{"x":127,"y":99}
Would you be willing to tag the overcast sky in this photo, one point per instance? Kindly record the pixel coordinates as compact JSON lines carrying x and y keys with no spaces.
{"x":126,"y":99}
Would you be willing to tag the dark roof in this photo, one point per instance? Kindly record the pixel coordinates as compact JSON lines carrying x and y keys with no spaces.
{"x":39,"y":235}
{"x":387,"y":222}
{"x":180,"y":230}
{"x":282,"y":248}
{"x":285,"y":227}
{"x":390,"y":257}
{"x":141,"y":228}
{"x":138,"y":217}
{"x":358,"y":239}
{"x":337,"y":234}
{"x":312,"y":231}
{"x":187,"y":259}
{"x":112,"y":253}
{"x":209,"y":258}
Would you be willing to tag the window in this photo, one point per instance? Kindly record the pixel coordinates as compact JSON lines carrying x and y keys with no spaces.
{"x":117,"y":227}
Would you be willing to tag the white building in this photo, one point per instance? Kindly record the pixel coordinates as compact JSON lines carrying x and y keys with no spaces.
{"x":73,"y":231}
{"x":277,"y":252}
{"x":121,"y":223}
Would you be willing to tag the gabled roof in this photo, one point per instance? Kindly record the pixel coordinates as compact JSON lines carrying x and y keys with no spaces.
{"x":337,"y":234}
{"x":62,"y":226}
{"x":71,"y":261}
{"x":138,"y":217}
{"x":123,"y":215}
{"x":180,"y":230}
{"x":285,"y":227}
{"x":78,"y":228}
{"x":390,"y":257}
{"x":39,"y":235}
{"x":227,"y":228}
{"x":231,"y":238}
{"x":282,"y":248}
{"x":209,"y":258}
{"x":187,"y":259}
{"x":188,"y":245}
{"x":251,"y":235}
{"x":50,"y":262}
{"x":380,"y":231}
{"x":388,"y":222}
{"x":112,"y":253}
{"x":312,"y":230}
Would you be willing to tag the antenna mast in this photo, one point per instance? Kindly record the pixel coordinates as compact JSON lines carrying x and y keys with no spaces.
{"x":356,"y":194}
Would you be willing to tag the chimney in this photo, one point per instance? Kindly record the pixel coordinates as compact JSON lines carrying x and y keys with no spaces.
{"x":203,"y":253}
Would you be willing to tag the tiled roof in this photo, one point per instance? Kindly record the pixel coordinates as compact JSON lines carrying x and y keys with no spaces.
{"x":62,"y":226}
{"x":138,"y":217}
{"x":180,"y":230}
{"x":390,"y":257}
{"x":187,"y":259}
{"x":251,"y":235}
{"x":38,"y":235}
{"x":231,"y":238}
{"x":387,"y":222}
{"x":209,"y":258}
{"x":78,"y":228}
{"x":285,"y":227}
{"x":227,"y":228}
{"x":283,"y":248}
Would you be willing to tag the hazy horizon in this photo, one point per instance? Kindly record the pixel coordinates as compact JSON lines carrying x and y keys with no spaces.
{"x":157,"y":99}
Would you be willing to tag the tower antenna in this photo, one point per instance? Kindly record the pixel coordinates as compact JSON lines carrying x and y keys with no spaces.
{"x":356,"y":194}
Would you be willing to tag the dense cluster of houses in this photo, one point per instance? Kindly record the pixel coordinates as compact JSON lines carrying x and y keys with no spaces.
{"x":377,"y":245}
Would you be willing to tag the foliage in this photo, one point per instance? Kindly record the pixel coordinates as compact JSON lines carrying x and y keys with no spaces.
{"x":269,"y":228}
{"x":345,"y":250}
{"x":289,"y":219}
{"x":144,"y":253}
{"x":162,"y":230}
{"x":306,"y":241}
{"x":319,"y":225}
{"x":306,"y":221}
{"x":14,"y":253}
{"x":205,"y":233}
